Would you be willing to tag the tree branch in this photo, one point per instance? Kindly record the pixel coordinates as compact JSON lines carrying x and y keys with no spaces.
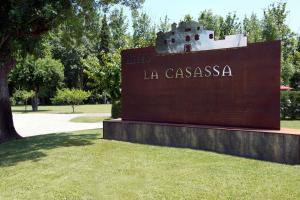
{"x":8,"y":65}
{"x":3,"y":39}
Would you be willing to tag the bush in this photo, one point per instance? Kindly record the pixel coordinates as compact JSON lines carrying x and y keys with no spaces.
{"x":295,"y":105}
{"x":23,"y":95}
{"x":295,"y":81}
{"x":71,"y":97}
{"x":12,"y":101}
{"x":290,"y":104}
{"x":116,"y":109}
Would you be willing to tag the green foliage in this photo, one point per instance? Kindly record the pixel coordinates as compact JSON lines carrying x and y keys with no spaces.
{"x":12,"y":101}
{"x":211,"y":22}
{"x":290,"y":104}
{"x":298,"y":43}
{"x":230,"y":25}
{"x":295,"y":81}
{"x":23,"y":95}
{"x":165,"y":24}
{"x":187,"y":18}
{"x":284,"y":104}
{"x":118,"y":27}
{"x":252,"y":28}
{"x":274,"y":27}
{"x":144,"y":34}
{"x":23,"y":22}
{"x":70,"y":56}
{"x":106,"y":77}
{"x":105,"y":37}
{"x":287,"y":71}
{"x":296,"y":61}
{"x":42,"y":75}
{"x":48,"y":72}
{"x":71,"y":97}
{"x":116,"y":109}
{"x":274,"y":20}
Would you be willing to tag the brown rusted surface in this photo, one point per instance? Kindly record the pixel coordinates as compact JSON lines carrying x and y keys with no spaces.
{"x":248,"y":98}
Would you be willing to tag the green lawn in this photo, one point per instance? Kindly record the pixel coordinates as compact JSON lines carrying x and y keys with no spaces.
{"x":294,"y":124}
{"x":99,"y":108}
{"x":89,"y":119}
{"x":80,"y":165}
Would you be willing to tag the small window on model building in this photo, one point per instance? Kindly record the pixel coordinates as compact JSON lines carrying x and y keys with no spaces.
{"x":173,"y":40}
{"x":187,"y":38}
{"x":187,"y":48}
{"x":211,"y":36}
{"x":196,"y":37}
{"x":166,"y":42}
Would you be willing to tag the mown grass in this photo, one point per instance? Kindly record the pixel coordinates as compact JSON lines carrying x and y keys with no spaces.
{"x":294,"y":124}
{"x":97,"y":108}
{"x":89,"y":119}
{"x":80,"y":165}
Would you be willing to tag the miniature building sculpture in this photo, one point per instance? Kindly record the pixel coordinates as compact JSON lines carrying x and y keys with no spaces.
{"x":191,"y":36}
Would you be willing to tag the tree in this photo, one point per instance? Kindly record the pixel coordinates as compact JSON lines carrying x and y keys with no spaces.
{"x":118,"y":26}
{"x":23,"y":95}
{"x":187,"y":18}
{"x":144,"y":34}
{"x":274,"y":20}
{"x":274,"y":27}
{"x":211,"y":22}
{"x":164,"y":25}
{"x":92,"y":69}
{"x":298,"y":43}
{"x":230,"y":25}
{"x":21,"y":26}
{"x":70,"y":55}
{"x":295,"y":81}
{"x":287,"y":71}
{"x":105,"y":37}
{"x":106,"y":77}
{"x":42,"y":74}
{"x":252,"y":28}
{"x":73,"y":40}
{"x":72,"y":97}
{"x":297,"y":60}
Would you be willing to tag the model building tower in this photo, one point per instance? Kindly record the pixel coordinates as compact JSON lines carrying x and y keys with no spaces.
{"x":191,"y":36}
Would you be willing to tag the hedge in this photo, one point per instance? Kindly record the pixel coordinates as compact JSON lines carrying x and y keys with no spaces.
{"x":290,"y":104}
{"x":116,"y":109}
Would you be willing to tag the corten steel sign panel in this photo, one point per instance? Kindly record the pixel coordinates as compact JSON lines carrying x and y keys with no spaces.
{"x":236,"y":87}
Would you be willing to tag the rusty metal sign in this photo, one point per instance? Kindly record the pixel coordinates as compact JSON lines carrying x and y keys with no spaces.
{"x":236,"y":87}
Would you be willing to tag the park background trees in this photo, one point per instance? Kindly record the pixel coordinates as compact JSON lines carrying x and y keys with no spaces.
{"x":89,"y":46}
{"x":53,"y":46}
{"x":23,"y":25}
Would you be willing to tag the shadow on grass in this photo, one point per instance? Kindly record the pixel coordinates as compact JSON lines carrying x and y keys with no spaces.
{"x":32,"y":148}
{"x":29,"y":111}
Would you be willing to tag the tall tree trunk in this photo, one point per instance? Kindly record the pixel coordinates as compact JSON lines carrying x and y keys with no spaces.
{"x":35,"y":100}
{"x":7,"y":129}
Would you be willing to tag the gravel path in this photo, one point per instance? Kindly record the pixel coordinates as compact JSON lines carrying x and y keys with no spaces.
{"x":41,"y":123}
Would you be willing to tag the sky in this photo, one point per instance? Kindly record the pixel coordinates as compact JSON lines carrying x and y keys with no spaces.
{"x":177,"y":9}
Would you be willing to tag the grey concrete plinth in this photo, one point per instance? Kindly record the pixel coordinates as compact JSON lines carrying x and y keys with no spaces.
{"x":275,"y":146}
